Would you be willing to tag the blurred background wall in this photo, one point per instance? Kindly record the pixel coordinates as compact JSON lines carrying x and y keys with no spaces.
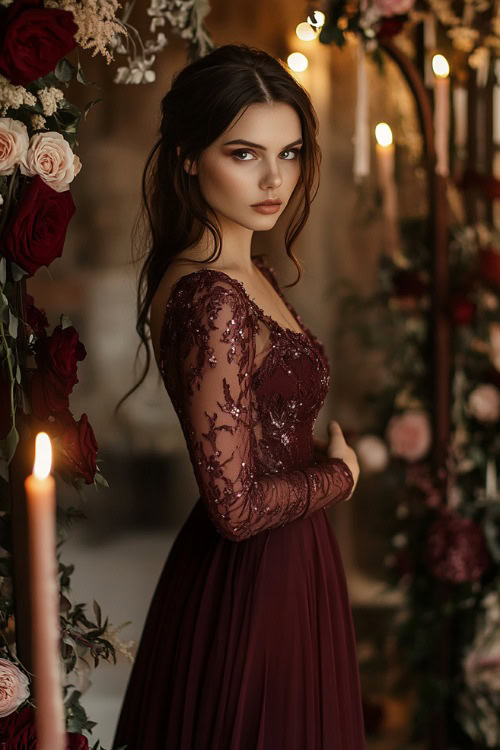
{"x":120,"y":550}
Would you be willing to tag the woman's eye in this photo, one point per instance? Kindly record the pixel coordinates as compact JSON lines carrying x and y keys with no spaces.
{"x":238,"y":153}
{"x":293,"y":151}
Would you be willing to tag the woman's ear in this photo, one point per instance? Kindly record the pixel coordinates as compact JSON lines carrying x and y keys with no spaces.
{"x":190,"y":167}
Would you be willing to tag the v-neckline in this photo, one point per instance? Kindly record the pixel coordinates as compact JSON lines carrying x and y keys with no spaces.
{"x":251,"y":300}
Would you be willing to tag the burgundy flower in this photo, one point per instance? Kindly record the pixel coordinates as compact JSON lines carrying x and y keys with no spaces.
{"x":33,"y":39}
{"x":407,"y":283}
{"x":456,"y":550}
{"x":35,"y":317}
{"x":35,"y":235}
{"x":19,"y":731}
{"x":462,"y":309}
{"x":79,"y":442}
{"x":57,"y":358}
{"x":390,"y":26}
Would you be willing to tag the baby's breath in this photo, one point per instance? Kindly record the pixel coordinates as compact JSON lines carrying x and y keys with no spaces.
{"x":13,"y":97}
{"x":49,"y":98}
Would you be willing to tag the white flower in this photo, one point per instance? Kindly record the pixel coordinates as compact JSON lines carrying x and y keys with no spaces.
{"x":13,"y":687}
{"x":372,"y":453}
{"x":50,"y":156}
{"x":484,"y":402}
{"x":14,"y":142}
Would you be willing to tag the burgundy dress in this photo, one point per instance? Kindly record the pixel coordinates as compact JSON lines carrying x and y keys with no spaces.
{"x":249,"y":641}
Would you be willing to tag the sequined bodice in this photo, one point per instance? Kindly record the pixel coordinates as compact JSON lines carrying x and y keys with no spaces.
{"x":247,"y":393}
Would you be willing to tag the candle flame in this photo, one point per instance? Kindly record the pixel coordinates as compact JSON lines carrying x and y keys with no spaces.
{"x":440,"y":66}
{"x":297,"y":62}
{"x":306,"y":32}
{"x":383,"y":134}
{"x":43,"y":456}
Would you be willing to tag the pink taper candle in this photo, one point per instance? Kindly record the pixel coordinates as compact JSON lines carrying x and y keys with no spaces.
{"x":41,"y":501}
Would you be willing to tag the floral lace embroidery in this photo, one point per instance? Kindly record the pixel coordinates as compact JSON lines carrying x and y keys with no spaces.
{"x":248,"y":426}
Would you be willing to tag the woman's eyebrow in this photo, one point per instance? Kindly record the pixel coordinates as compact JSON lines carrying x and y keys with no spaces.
{"x":256,"y":145}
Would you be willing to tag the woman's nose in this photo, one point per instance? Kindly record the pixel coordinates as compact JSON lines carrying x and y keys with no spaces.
{"x":272,"y":177}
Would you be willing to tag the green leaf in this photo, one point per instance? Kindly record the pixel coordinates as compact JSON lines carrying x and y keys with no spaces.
{"x":18,"y":373}
{"x":9,"y":444}
{"x":65,"y":321}
{"x":64,"y":70}
{"x":3,"y":270}
{"x":89,"y":106}
{"x":98,"y":612}
{"x":13,"y":321}
{"x":98,"y":477}
{"x":17,"y":271}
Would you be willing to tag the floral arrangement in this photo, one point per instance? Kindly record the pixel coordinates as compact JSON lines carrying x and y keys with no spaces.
{"x":38,"y":135}
{"x":472,"y":27}
{"x":444,"y":543}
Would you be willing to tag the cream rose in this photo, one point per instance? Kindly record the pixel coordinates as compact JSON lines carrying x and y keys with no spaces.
{"x":409,"y":434}
{"x":393,"y":7}
{"x":484,"y":402}
{"x":14,"y":688}
{"x":14,"y":142}
{"x":372,"y":454}
{"x":50,"y":156}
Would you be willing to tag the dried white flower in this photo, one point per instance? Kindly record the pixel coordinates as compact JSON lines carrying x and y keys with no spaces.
{"x":49,"y":98}
{"x":96,"y":23}
{"x":13,"y":97}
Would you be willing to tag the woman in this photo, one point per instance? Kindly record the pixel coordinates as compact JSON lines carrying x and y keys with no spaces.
{"x":249,"y":642}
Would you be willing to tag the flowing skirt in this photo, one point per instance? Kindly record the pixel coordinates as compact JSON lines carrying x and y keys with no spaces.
{"x":247,"y":645}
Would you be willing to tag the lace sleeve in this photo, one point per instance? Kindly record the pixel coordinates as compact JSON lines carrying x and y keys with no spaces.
{"x":214,"y":357}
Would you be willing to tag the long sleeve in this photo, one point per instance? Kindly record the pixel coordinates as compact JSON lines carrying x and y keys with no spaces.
{"x":214,"y":358}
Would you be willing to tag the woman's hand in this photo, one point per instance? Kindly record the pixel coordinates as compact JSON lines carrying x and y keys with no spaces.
{"x":336,"y":447}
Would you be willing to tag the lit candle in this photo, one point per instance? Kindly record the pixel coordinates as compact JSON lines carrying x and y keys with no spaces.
{"x":460,"y":113}
{"x":385,"y":167}
{"x":441,"y":112}
{"x":41,"y":503}
{"x":361,"y":128}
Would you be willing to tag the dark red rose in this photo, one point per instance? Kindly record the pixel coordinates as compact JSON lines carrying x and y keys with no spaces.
{"x":489,"y":266}
{"x":35,"y":235}
{"x":5,"y":418}
{"x":79,"y":442}
{"x":18,"y":729}
{"x":462,"y":309}
{"x":33,"y":39}
{"x":57,"y":358}
{"x":456,"y":550}
{"x":390,"y":26}
{"x":35,"y":317}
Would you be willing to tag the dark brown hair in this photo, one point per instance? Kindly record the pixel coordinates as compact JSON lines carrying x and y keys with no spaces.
{"x":205,"y":97}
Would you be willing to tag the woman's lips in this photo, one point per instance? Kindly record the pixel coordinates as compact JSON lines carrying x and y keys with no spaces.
{"x":262,"y":208}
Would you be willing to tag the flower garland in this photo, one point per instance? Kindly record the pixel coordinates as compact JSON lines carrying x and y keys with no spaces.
{"x":444,"y":556}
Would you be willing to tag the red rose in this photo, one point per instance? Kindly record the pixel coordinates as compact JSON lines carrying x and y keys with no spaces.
{"x":19,"y":731}
{"x":80,"y":444}
{"x":390,"y":26}
{"x":33,"y":39}
{"x":35,"y":235}
{"x":56,"y":357}
{"x":408,"y":283}
{"x":36,"y":318}
{"x":462,"y":309}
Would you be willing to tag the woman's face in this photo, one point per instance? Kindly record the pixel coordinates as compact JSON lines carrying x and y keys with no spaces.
{"x":255,"y":160}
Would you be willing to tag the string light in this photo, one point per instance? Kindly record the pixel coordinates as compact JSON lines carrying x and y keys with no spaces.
{"x":305,"y":32}
{"x":317,"y":19}
{"x":297,"y":62}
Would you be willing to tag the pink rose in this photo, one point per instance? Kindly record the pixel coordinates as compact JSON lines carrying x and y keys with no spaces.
{"x":50,"y":156}
{"x":409,"y":435}
{"x":13,"y":687}
{"x":484,"y":403}
{"x":14,"y":142}
{"x":393,"y":7}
